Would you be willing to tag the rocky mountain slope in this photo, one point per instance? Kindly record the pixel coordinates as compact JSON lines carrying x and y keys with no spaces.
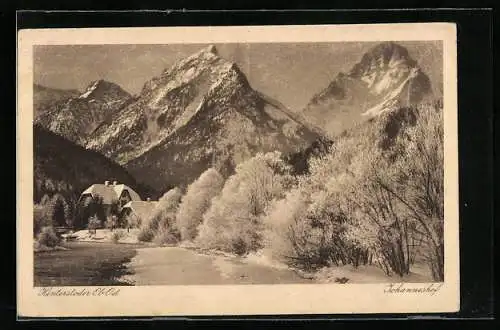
{"x":200,"y":112}
{"x":385,"y":79}
{"x":78,"y":116}
{"x":72,"y":171}
{"x":203,"y":112}
{"x":45,"y":98}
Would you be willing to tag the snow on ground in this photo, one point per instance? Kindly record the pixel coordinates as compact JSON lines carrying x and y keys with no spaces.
{"x":369,"y":274}
{"x":181,"y":266}
{"x":105,"y":235}
{"x":188,"y":264}
{"x":262,"y":259}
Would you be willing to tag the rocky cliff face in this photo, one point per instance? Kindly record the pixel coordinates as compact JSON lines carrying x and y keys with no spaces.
{"x":200,"y":112}
{"x":45,"y":98}
{"x":78,"y":116}
{"x":385,"y":79}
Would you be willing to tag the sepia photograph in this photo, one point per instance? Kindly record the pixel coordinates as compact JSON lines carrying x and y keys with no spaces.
{"x":239,"y":163}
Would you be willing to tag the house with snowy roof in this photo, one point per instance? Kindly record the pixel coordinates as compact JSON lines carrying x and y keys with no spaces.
{"x":110,"y":193}
{"x":138,"y":212}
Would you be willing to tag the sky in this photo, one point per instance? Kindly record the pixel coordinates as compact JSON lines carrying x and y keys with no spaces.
{"x":289,"y":72}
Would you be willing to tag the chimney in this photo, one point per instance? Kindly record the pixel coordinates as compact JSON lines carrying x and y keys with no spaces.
{"x":115,"y":183}
{"x":106,"y":183}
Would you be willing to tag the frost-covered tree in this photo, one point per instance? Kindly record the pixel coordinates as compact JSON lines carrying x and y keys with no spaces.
{"x":111,"y":222}
{"x":380,"y":216}
{"x":196,"y":202}
{"x":309,"y":229}
{"x":416,"y":182}
{"x":163,"y":218}
{"x":232,"y":223}
{"x":168,"y":203}
{"x":59,"y":211}
{"x":367,"y":201}
{"x":93,"y":224}
{"x":396,"y":197}
{"x":280,"y":221}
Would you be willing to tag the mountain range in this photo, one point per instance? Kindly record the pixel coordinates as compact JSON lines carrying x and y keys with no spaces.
{"x":386,"y":78}
{"x":203,"y":112}
{"x":77,"y":116}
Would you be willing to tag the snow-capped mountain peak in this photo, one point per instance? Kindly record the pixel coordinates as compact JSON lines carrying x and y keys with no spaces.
{"x":384,"y":67}
{"x":76,"y":117}
{"x":386,"y":77}
{"x":89,"y":90}
{"x":200,"y":106}
{"x":104,"y":90}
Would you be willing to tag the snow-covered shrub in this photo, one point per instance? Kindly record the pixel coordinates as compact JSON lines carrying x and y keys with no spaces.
{"x":196,"y":202}
{"x":48,"y":237}
{"x":111,"y":222}
{"x":146,"y":234}
{"x":417,"y":183}
{"x":367,"y":202}
{"x":163,"y":218}
{"x":283,"y":216}
{"x":117,"y":236}
{"x":94,"y":224}
{"x":166,"y":235}
{"x":232,"y":223}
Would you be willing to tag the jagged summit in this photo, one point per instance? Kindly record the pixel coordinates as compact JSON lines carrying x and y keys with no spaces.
{"x":76,"y":117}
{"x":211,"y":49}
{"x":230,"y":73}
{"x":200,"y":108}
{"x":384,"y":56}
{"x":92,"y":87}
{"x":103,"y":90}
{"x":385,"y":78}
{"x":205,"y":69}
{"x":205,"y":56}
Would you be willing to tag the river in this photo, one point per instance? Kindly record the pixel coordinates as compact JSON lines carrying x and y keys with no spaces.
{"x":123,"y":264}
